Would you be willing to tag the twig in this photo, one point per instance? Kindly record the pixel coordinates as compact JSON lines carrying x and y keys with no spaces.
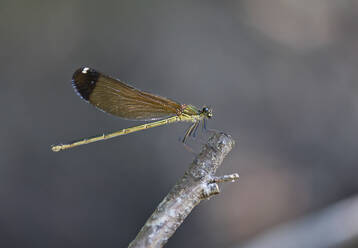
{"x":197,"y":184}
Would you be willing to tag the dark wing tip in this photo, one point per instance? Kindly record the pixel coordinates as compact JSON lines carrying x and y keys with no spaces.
{"x":84,"y":81}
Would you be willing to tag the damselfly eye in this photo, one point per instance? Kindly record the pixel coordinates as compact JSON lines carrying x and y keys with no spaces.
{"x":207,"y":111}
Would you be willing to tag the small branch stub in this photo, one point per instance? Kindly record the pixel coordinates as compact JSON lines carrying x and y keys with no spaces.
{"x":227,"y":178}
{"x":197,"y":184}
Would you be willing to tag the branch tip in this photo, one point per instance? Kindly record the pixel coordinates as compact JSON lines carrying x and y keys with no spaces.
{"x":197,"y":184}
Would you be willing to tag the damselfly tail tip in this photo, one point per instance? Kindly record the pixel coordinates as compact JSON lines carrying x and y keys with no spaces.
{"x":56,"y":148}
{"x":84,"y":81}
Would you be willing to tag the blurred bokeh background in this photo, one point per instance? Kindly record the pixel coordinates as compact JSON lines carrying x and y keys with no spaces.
{"x":281,"y":77}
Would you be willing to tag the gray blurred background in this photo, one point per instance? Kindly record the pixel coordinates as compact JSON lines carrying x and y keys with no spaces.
{"x":281,"y":77}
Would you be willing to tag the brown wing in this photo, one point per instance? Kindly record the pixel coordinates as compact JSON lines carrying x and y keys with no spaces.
{"x":117,"y":98}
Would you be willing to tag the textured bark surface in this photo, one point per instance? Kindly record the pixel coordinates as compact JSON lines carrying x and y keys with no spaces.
{"x":197,"y":184}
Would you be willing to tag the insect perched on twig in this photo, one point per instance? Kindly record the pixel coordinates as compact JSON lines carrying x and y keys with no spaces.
{"x":117,"y":98}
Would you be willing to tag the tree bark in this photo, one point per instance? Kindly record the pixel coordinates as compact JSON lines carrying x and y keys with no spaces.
{"x":198,"y":183}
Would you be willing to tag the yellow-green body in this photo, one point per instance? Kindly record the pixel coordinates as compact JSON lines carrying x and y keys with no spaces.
{"x":190,"y":114}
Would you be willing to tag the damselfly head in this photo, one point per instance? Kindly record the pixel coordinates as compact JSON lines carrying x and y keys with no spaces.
{"x":208,"y":112}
